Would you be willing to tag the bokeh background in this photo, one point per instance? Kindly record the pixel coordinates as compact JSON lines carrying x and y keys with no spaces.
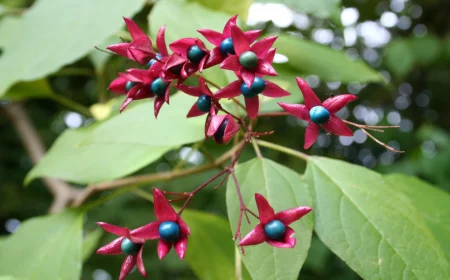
{"x":407,"y":41}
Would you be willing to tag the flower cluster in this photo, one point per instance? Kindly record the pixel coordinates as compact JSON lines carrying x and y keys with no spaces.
{"x":233,"y":50}
{"x":171,"y":231}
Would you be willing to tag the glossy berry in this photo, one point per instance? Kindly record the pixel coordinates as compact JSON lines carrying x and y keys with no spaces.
{"x":257,"y":87}
{"x":195,"y":54}
{"x":150,"y":63}
{"x":158,"y":87}
{"x":275,"y":229}
{"x":319,"y":115}
{"x":130,"y":248}
{"x":221,"y":131}
{"x":204,"y":103}
{"x":129,"y":85}
{"x":169,"y":231}
{"x":248,"y":59}
{"x":226,"y":47}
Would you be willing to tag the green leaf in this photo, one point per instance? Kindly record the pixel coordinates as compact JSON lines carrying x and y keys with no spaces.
{"x":284,"y":189}
{"x":25,"y":90}
{"x":46,"y":247}
{"x":319,"y":8}
{"x":120,"y":145}
{"x":8,"y":278}
{"x":193,"y":17}
{"x":90,"y":243}
{"x":72,"y":36}
{"x":374,"y":228}
{"x":426,"y":49}
{"x":231,"y":7}
{"x":210,"y":236}
{"x":7,"y":26}
{"x":399,"y":57}
{"x":431,"y":203}
{"x":330,"y":65}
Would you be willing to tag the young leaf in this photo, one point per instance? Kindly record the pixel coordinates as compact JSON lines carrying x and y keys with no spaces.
{"x":432,"y":204}
{"x":45,"y":248}
{"x":372,"y":226}
{"x":120,"y":145}
{"x":66,"y":42}
{"x":210,"y":236}
{"x":284,"y":189}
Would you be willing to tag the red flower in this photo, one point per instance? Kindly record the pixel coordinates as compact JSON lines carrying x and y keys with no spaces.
{"x":190,"y":54}
{"x":259,"y":86}
{"x":223,"y":42}
{"x":163,"y":54}
{"x":127,"y":244}
{"x":274,"y":228}
{"x":139,"y":49}
{"x":204,"y":102}
{"x":318,"y":113}
{"x":222,"y":128}
{"x":249,"y":60}
{"x":139,"y":84}
{"x":170,"y":229}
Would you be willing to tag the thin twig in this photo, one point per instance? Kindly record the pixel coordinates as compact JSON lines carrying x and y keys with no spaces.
{"x":381,"y":143}
{"x":370,"y":127}
{"x":282,"y":149}
{"x":202,"y":186}
{"x":256,"y":148}
{"x":62,"y":193}
{"x":150,"y":178}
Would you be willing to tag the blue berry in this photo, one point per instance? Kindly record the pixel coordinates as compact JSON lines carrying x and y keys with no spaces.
{"x":150,"y":63}
{"x":275,"y":229}
{"x":257,"y":87}
{"x":221,"y":131}
{"x":195,"y":54}
{"x":248,"y":59}
{"x":226,"y":47}
{"x":158,"y":87}
{"x":204,"y":103}
{"x":319,"y":115}
{"x":169,"y":231}
{"x":129,"y":85}
{"x":129,"y":247}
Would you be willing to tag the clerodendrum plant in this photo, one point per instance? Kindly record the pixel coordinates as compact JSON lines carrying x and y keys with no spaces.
{"x":251,"y":61}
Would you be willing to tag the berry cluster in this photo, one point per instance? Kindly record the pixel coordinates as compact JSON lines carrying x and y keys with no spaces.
{"x":251,"y":61}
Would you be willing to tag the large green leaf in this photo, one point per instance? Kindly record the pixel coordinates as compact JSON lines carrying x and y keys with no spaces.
{"x":183,"y":19}
{"x":432,"y":203}
{"x":122,"y":144}
{"x":45,"y":248}
{"x":34,"y":89}
{"x":210,"y":236}
{"x":284,"y":189}
{"x":45,"y":40}
{"x":231,"y":7}
{"x":373,"y":227}
{"x":330,"y":65}
{"x":319,"y":8}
